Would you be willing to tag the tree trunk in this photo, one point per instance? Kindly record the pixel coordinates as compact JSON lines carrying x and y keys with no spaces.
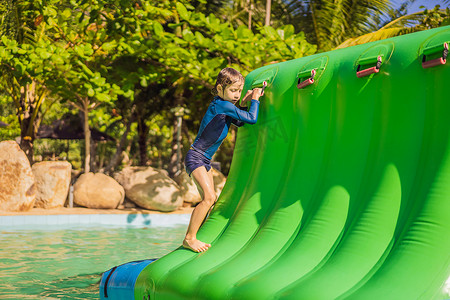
{"x":93,"y":155}
{"x":173,"y":167}
{"x":26,"y":139}
{"x":122,"y":144}
{"x":142,"y":142}
{"x":87,"y":135}
{"x":250,"y":11}
{"x":29,"y":118}
{"x":26,"y":144}
{"x":268,"y":9}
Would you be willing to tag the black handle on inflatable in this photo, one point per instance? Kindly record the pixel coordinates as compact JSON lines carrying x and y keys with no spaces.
{"x":309,"y":81}
{"x":369,"y":71}
{"x":438,"y":61}
{"x":264,"y":86}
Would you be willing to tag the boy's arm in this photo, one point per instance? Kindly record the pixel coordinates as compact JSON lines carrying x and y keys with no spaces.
{"x":238,"y":123}
{"x":247,"y":98}
{"x":250,"y":116}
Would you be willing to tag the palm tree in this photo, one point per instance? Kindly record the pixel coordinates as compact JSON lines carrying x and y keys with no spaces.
{"x":404,"y":24}
{"x":327,"y":23}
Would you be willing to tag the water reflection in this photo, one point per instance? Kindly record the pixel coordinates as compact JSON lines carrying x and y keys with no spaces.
{"x":67,"y":263}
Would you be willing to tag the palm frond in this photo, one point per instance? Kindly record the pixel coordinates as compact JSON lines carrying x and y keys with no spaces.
{"x":402,"y":25}
{"x":339,"y":19}
{"x":376,"y":36}
{"x":404,"y":20}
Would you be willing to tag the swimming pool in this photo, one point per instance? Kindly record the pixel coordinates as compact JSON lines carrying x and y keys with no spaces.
{"x":67,"y":263}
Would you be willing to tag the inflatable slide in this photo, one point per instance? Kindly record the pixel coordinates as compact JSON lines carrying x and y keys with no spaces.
{"x":340,"y":191}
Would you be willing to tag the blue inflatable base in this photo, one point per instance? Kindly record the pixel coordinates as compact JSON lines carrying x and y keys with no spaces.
{"x":118,"y":282}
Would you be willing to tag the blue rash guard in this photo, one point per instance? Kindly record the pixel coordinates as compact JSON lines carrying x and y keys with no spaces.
{"x":217,"y":121}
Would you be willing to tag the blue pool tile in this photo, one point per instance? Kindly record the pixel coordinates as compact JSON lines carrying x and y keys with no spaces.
{"x":52,"y":221}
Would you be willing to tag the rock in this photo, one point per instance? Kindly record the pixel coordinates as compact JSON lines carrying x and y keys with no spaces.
{"x":52,"y":179}
{"x":150,"y":188}
{"x":129,"y":204}
{"x":219,"y":181}
{"x":188,"y":189}
{"x":97,"y":191}
{"x":17,"y":189}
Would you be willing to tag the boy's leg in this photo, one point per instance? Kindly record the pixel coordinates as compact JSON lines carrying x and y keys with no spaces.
{"x":200,"y":190}
{"x":203,"y":179}
{"x":211,"y":180}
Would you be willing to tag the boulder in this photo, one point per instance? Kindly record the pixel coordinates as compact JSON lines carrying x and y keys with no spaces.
{"x":52,"y":179}
{"x":97,"y":191}
{"x":17,"y":189}
{"x":150,"y":188}
{"x":189,"y":189}
{"x":219,"y":181}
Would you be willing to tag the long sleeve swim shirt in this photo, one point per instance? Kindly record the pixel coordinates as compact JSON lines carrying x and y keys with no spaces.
{"x":217,"y":121}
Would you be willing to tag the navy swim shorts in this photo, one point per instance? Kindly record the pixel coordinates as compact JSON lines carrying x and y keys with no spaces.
{"x":195,"y":159}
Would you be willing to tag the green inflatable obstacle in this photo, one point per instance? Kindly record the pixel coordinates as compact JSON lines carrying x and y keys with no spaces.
{"x":340,"y":191}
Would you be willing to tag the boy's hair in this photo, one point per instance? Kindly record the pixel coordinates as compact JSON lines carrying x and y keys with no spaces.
{"x":226,"y":77}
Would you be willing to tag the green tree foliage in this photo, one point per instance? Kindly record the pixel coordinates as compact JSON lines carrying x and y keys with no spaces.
{"x":131,"y":62}
{"x":24,"y":66}
{"x":202,"y":44}
{"x":126,"y":66}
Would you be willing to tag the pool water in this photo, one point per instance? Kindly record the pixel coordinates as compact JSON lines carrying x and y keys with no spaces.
{"x":67,"y":263}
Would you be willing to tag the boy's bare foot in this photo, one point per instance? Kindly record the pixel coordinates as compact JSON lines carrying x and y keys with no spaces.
{"x":195,"y":245}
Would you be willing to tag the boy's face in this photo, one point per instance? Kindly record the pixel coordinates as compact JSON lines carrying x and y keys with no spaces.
{"x":232,"y":92}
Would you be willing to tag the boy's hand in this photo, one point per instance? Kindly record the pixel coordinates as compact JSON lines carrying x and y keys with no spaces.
{"x":256,"y":93}
{"x":247,"y":98}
